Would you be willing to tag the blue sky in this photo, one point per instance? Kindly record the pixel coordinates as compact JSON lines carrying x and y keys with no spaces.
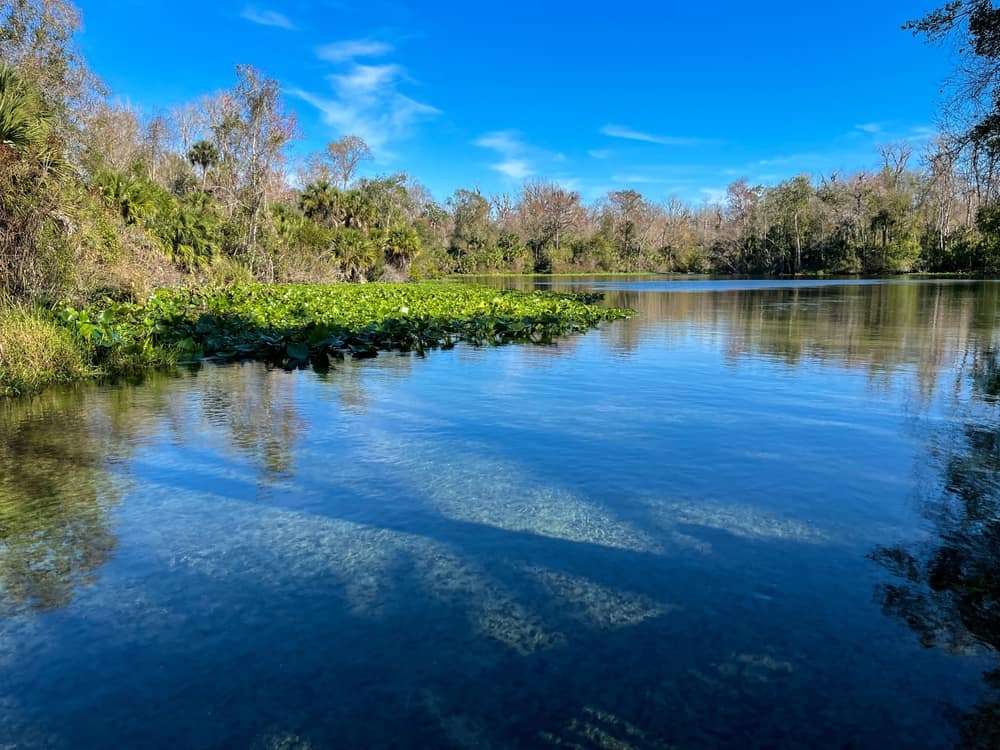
{"x":667,"y":98}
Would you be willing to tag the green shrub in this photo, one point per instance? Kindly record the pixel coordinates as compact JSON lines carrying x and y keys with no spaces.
{"x":35,"y":215}
{"x":36,"y":352}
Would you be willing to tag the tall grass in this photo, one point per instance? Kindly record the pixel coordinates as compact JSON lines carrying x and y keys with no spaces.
{"x":36,"y":352}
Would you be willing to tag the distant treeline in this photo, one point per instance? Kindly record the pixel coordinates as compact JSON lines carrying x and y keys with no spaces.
{"x":894,"y":219}
{"x":96,"y":199}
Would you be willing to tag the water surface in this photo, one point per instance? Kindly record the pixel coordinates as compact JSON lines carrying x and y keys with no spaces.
{"x":760,"y":514}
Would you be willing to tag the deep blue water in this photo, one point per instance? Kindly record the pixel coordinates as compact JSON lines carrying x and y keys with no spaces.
{"x":757,"y":515}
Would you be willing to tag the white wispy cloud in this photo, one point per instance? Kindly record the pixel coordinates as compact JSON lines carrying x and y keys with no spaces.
{"x":514,"y":153}
{"x":921,"y":133}
{"x":504,"y":141}
{"x":568,"y":183}
{"x":367,"y":102}
{"x":366,"y":79}
{"x":267,"y":18}
{"x":804,"y":160}
{"x":516,"y":169}
{"x":630,"y":134}
{"x":599,"y":153}
{"x":351,"y":49}
{"x":856,"y":149}
{"x":519,"y":159}
{"x":644,"y":179}
{"x":888,"y":132}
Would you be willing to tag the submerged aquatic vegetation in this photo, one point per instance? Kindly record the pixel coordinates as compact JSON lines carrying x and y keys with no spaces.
{"x":296,"y":325}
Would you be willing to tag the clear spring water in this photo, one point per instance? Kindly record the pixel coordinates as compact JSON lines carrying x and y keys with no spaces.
{"x":757,"y":515}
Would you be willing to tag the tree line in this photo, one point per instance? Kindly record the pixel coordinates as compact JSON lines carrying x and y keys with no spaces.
{"x":96,"y":198}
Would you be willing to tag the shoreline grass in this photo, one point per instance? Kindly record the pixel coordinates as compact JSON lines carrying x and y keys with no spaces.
{"x":36,"y":352}
{"x":293,"y":326}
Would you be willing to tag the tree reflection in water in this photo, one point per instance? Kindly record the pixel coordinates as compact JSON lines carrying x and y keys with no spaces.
{"x":57,"y":487}
{"x":948,"y":589}
{"x":54,"y":497}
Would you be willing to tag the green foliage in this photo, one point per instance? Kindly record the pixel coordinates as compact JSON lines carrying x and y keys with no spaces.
{"x":351,"y":209}
{"x":36,"y":215}
{"x":296,"y":324}
{"x":357,"y":253}
{"x":192,"y":231}
{"x":318,"y":202}
{"x":473,"y":244}
{"x":361,"y":236}
{"x":987,"y":250}
{"x":132,"y":196}
{"x":400,"y":244}
{"x":187,"y":229}
{"x":36,"y":352}
{"x":594,"y":253}
{"x":94,"y":198}
{"x":512,"y":253}
{"x":25,"y":123}
{"x":296,"y":233}
{"x":203,"y":154}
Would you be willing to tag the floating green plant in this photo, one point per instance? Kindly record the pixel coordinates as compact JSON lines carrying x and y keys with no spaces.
{"x":296,"y":325}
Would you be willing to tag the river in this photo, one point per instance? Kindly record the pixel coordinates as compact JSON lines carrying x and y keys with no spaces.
{"x":758,"y":514}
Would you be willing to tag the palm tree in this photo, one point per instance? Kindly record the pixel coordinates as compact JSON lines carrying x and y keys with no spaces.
{"x":31,"y":164}
{"x":193,"y":237}
{"x":319,"y":201}
{"x":25,"y":124}
{"x":358,"y":255}
{"x":130,"y":195}
{"x":356,"y":210}
{"x":286,"y":221}
{"x":400,"y":245}
{"x":203,"y":155}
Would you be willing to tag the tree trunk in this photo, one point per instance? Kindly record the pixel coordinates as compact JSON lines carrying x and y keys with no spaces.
{"x":798,"y":245}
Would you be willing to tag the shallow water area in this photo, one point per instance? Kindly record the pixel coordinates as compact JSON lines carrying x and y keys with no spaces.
{"x":758,"y":514}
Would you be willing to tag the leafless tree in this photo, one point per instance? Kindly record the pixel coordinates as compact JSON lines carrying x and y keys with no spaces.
{"x":548,"y":212}
{"x":345,"y":156}
{"x":251,"y":129}
{"x":895,"y":159}
{"x":187,"y":125}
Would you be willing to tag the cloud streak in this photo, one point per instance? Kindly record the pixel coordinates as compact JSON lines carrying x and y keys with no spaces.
{"x":644,"y":179}
{"x":267,"y":18}
{"x":518,"y":159}
{"x":366,"y":99}
{"x":516,"y":169}
{"x":514,"y":160}
{"x":889,"y":132}
{"x":629,"y":134}
{"x":351,"y":49}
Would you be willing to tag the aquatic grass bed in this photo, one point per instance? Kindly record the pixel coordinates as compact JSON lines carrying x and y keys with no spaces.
{"x":296,"y":325}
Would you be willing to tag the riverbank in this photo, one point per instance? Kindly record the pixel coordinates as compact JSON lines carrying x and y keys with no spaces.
{"x":288,"y":325}
{"x":36,"y":352}
{"x":723,"y":277}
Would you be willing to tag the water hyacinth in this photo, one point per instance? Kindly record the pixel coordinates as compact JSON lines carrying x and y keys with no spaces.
{"x":296,"y":325}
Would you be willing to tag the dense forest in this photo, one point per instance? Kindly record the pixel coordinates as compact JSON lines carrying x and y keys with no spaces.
{"x":97,"y":199}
